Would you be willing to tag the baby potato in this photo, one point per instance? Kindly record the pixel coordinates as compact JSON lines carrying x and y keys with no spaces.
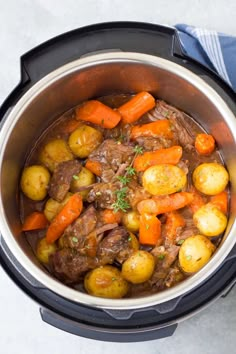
{"x":139,"y":267}
{"x":210,"y":178}
{"x":195,"y":252}
{"x":84,"y":140}
{"x":34,"y":182}
{"x":55,"y":152}
{"x":164,"y":179}
{"x":44,"y":250}
{"x":107,"y":282}
{"x":131,"y":220}
{"x":83,"y":179}
{"x":133,"y":241}
{"x":52,"y":207}
{"x":209,"y":220}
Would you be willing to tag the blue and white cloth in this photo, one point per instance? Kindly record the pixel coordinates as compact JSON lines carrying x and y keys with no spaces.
{"x":215,"y":50}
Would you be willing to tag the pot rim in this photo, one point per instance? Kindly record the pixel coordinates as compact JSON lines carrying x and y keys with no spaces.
{"x":56,"y":286}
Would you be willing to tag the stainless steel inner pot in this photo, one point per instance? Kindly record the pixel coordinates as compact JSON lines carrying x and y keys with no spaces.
{"x":90,"y":77}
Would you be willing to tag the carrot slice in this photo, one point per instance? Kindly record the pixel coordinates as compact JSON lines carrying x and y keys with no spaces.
{"x":98,"y":113}
{"x":221,"y":201}
{"x":160,"y":128}
{"x":94,"y":166}
{"x":64,"y":218}
{"x":197,"y":202}
{"x":174,"y":221}
{"x":149,"y":230}
{"x":136,"y":107}
{"x":204,"y":144}
{"x":164,"y":204}
{"x":35,"y":221}
{"x":170,"y":156}
{"x":108,"y":216}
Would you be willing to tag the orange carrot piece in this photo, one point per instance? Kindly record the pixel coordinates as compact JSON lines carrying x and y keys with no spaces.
{"x":160,"y":128}
{"x":204,"y":144}
{"x":98,"y":113}
{"x":108,"y":216}
{"x":64,"y":218}
{"x":170,"y":156}
{"x":149,"y":229}
{"x":140,"y":104}
{"x":198,"y":201}
{"x":35,"y":221}
{"x":221,"y":201}
{"x":164,"y":204}
{"x":94,"y":166}
{"x":174,"y":221}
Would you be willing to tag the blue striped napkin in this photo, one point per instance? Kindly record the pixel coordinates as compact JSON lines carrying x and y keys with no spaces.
{"x":215,"y":50}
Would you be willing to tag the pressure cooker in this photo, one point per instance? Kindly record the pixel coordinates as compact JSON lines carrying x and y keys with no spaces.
{"x":93,"y":61}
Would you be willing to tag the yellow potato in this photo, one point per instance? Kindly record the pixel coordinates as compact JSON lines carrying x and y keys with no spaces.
{"x":44,"y":250}
{"x":107,"y":282}
{"x":139,"y":267}
{"x":195,"y":252}
{"x":133,"y":241}
{"x":34,"y":182}
{"x":83,"y":179}
{"x":210,"y":178}
{"x":55,"y":152}
{"x":84,"y":140}
{"x":52,"y":207}
{"x":131,"y":220}
{"x":164,"y":179}
{"x":209,"y":220}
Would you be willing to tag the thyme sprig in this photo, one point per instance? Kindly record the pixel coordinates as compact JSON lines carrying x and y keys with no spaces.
{"x":121,"y":201}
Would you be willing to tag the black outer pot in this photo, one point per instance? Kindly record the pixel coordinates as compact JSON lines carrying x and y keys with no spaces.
{"x":112,"y":325}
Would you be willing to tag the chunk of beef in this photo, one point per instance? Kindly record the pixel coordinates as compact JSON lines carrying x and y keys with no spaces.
{"x":70,"y":267}
{"x":173,"y":277}
{"x":151,"y":144}
{"x":74,"y":235}
{"x":103,"y":194}
{"x":179,"y":120}
{"x":136,"y":194}
{"x":165,"y":258}
{"x":115,"y":246}
{"x":111,"y":154}
{"x":61,"y":179}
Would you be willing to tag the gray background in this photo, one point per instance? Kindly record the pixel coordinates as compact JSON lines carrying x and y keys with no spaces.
{"x":27,"y":23}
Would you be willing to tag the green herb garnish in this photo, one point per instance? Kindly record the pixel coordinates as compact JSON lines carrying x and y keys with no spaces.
{"x":123,"y":179}
{"x":130,"y":238}
{"x":76,"y":177}
{"x":161,"y":256}
{"x":180,"y":242}
{"x":138,"y":149}
{"x":113,"y":279}
{"x":75,"y":240}
{"x":121,"y":202}
{"x":130,"y":171}
{"x":147,"y":226}
{"x":189,"y":257}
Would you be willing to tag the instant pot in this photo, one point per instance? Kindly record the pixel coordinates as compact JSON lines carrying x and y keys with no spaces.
{"x":118,"y":57}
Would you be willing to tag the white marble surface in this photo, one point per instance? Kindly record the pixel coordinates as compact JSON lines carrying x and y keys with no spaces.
{"x":23,"y":25}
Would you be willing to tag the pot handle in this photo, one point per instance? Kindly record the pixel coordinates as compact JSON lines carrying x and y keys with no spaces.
{"x":162,"y":41}
{"x":106,"y":334}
